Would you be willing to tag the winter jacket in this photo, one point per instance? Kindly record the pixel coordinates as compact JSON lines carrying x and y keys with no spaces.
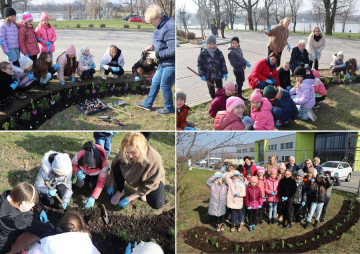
{"x":7,"y":93}
{"x":334,"y":181}
{"x":234,"y":202}
{"x":305,"y":95}
{"x":253,"y":197}
{"x":46,"y":174}
{"x":319,"y":87}
{"x":83,"y":64}
{"x":9,"y":36}
{"x":294,"y":168}
{"x":247,"y":169}
{"x":316,"y":195}
{"x":313,"y":46}
{"x":284,"y":78}
{"x":288,"y":106}
{"x":236,"y":59}
{"x":62,"y":61}
{"x":262,"y":185}
{"x":287,"y":187}
{"x":226,"y":120}
{"x":163,"y":41}
{"x":102,"y":172}
{"x":143,"y":64}
{"x":23,"y":79}
{"x":300,"y":194}
{"x":278,"y":40}
{"x":108,"y":60}
{"x":261,"y":71}
{"x":307,"y":182}
{"x":219,"y":103}
{"x":213,"y":68}
{"x":336,"y":63}
{"x":28,"y":40}
{"x":218,"y":192}
{"x":181,"y":117}
{"x":272,"y":185}
{"x":319,"y":169}
{"x":296,"y":57}
{"x":263,"y":119}
{"x":47,"y":33}
{"x":51,"y":70}
{"x":145,"y":177}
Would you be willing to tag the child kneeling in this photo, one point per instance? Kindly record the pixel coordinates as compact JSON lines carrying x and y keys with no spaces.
{"x":86,"y":64}
{"x":112,"y":62}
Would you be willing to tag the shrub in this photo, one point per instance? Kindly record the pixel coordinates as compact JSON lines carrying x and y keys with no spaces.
{"x":138,"y":26}
{"x":190,"y":36}
{"x":102,"y":25}
{"x":181,"y":33}
{"x":91,"y":25}
{"x":78,"y":25}
{"x":126,"y":26}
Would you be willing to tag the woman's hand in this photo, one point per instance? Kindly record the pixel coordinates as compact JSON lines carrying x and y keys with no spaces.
{"x":267,"y":33}
{"x":150,"y":48}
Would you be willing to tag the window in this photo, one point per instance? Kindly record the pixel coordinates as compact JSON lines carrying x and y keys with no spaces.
{"x":244,"y":150}
{"x":282,"y":146}
{"x":271,"y":147}
{"x":275,"y":146}
{"x":285,"y":158}
{"x":289,"y":145}
{"x":252,"y":149}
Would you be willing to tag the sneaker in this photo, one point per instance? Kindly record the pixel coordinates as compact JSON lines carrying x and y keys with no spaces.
{"x":140,"y":105}
{"x":104,"y":77}
{"x":312,"y":115}
{"x":242,"y":223}
{"x":254,"y":227}
{"x":115,"y":199}
{"x":273,"y":220}
{"x":115,"y":76}
{"x":322,"y":220}
{"x":316,"y":223}
{"x":316,"y":106}
{"x":306,"y":225}
{"x":250,"y":228}
{"x":162,"y":111}
{"x":222,"y":227}
{"x":218,"y":227}
{"x":232,"y":229}
{"x":289,"y":225}
{"x":143,"y":198}
{"x":239,"y":228}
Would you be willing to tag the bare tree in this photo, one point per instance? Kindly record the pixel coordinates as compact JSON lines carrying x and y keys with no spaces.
{"x":319,"y":14}
{"x":231,"y":9}
{"x":294,"y":8}
{"x":205,"y":8}
{"x":219,"y":11}
{"x":248,"y":6}
{"x":280,"y":8}
{"x":258,"y":14}
{"x":348,"y":8}
{"x":267,"y":10}
{"x":184,"y":17}
{"x":168,"y":6}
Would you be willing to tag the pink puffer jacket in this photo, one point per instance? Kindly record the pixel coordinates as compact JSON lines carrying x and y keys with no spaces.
{"x":225,"y":120}
{"x":47,"y":33}
{"x":253,"y":197}
{"x":272,"y":185}
{"x":262,"y":183}
{"x":263,"y":119}
{"x":234,"y":202}
{"x":319,"y":87}
{"x":28,"y":40}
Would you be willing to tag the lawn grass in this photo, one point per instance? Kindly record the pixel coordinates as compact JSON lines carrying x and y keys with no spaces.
{"x":21,"y":154}
{"x":192,"y":211}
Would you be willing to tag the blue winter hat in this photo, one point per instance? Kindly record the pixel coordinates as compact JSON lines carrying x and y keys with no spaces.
{"x":236,"y":173}
{"x":218,"y":175}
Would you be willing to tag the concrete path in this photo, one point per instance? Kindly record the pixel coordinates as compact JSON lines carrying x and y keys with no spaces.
{"x":351,"y":186}
{"x":254,"y":48}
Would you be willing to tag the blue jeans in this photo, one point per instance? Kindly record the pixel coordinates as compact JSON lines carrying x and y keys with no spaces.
{"x":262,"y":85}
{"x":272,"y":209}
{"x":104,"y":139}
{"x":315,"y":206}
{"x":243,"y":214}
{"x":303,"y":113}
{"x":14,"y":55}
{"x":164,"y":78}
{"x":45,"y":80}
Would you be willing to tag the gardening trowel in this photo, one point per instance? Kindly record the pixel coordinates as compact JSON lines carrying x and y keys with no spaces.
{"x":104,"y":214}
{"x":57,"y":196}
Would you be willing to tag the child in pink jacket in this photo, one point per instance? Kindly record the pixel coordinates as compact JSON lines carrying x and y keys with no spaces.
{"x":253,"y":202}
{"x":46,"y":35}
{"x":219,"y":103}
{"x":27,"y":38}
{"x":319,"y":88}
{"x":86,"y":64}
{"x":271,"y":190}
{"x":260,"y":111}
{"x":262,"y":184}
{"x":235,"y":195}
{"x":67,"y":65}
{"x":231,"y":118}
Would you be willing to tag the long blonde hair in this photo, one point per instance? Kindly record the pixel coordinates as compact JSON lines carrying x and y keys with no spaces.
{"x":137,"y":140}
{"x":283,"y":21}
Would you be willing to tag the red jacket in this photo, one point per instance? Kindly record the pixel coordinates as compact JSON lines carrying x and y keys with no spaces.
{"x":181,"y":117}
{"x":253,"y":170}
{"x":28,"y":41}
{"x":261,"y":71}
{"x":225,"y":120}
{"x":219,"y":103}
{"x":262,"y":184}
{"x":253,"y":197}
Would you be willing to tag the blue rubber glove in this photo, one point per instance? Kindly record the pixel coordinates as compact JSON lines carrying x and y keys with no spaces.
{"x":203,"y":78}
{"x":27,"y":55}
{"x":247,"y":64}
{"x":284,"y":198}
{"x":43,"y":217}
{"x":40,"y":39}
{"x":124,"y":202}
{"x":336,"y":175}
{"x":288,"y":47}
{"x":223,"y":168}
{"x":115,"y":69}
{"x":62,"y":83}
{"x":72,"y":80}
{"x":344,"y":65}
{"x":225,"y":76}
{"x":259,"y":206}
{"x":137,"y":78}
{"x":48,"y":43}
{"x":303,"y":203}
{"x":288,"y":88}
{"x":56,"y":66}
{"x":110,"y":190}
{"x":273,"y":193}
{"x":265,"y":197}
{"x":312,"y":179}
{"x":30,"y":76}
{"x":81,"y":175}
{"x":92,"y":65}
{"x":269,"y":81}
{"x":237,"y":194}
{"x":64,"y":205}
{"x":277,"y":123}
{"x":8,"y":54}
{"x":90,"y":202}
{"x":0,"y":42}
{"x":187,"y":128}
{"x":316,"y":54}
{"x":308,"y":192}
{"x":249,"y":208}
{"x":128,"y":249}
{"x":52,"y":193}
{"x":14,"y":85}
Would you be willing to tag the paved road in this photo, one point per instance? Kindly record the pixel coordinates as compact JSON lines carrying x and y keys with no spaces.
{"x":254,"y":48}
{"x":131,"y":43}
{"x":351,"y":186}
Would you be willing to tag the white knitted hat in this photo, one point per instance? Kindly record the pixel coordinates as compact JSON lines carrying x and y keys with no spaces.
{"x":25,"y":62}
{"x":62,"y":164}
{"x":148,"y":248}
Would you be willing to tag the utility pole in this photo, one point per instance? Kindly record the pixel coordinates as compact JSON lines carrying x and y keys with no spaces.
{"x":201,"y":24}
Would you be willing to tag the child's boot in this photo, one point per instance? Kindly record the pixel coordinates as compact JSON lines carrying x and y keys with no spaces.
{"x":232,"y":228}
{"x":239,"y":227}
{"x":273,"y":221}
{"x":306,"y":225}
{"x":316,"y":223}
{"x":253,"y":227}
{"x":222,"y":227}
{"x":289,"y":225}
{"x":218,"y":227}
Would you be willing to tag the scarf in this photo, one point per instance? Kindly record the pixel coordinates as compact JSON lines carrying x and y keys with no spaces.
{"x":317,"y":38}
{"x":272,"y":67}
{"x":298,"y":182}
{"x":211,"y":51}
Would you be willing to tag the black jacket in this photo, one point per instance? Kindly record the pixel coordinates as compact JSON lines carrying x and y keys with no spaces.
{"x":6,"y":93}
{"x":316,"y":195}
{"x":300,"y":194}
{"x":296,"y":58}
{"x":295,"y":168}
{"x":287,"y":187}
{"x":143,"y":64}
{"x":284,"y":78}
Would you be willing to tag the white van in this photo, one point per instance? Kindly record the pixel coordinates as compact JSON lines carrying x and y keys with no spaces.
{"x":213,"y":161}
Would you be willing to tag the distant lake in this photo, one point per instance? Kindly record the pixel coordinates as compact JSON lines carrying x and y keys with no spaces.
{"x":58,"y":16}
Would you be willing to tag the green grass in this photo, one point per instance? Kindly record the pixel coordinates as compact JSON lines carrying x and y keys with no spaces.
{"x":192,"y":211}
{"x":21,"y":154}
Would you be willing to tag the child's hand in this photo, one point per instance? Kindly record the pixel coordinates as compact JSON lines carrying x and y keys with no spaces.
{"x":288,"y":88}
{"x":80,"y":174}
{"x":303,"y":203}
{"x":56,"y":66}
{"x":52,"y":193}
{"x":247,"y":64}
{"x":64,"y":205}
{"x":137,"y":78}
{"x":128,"y":248}
{"x":14,"y":85}
{"x":237,"y":194}
{"x":27,"y":55}
{"x":288,"y":47}
{"x":72,"y":80}
{"x":249,"y":208}
{"x":115,"y":69}
{"x":40,"y":39}
{"x":43,"y":217}
{"x":312,"y":179}
{"x":92,"y":65}
{"x":344,"y":65}
{"x":284,"y":199}
{"x":124,"y":202}
{"x":225,"y":76}
{"x":336,"y":175}
{"x":203,"y":78}
{"x":269,"y":81}
{"x":30,"y":76}
{"x":62,"y":83}
{"x":0,"y":42}
{"x":110,"y":191}
{"x":8,"y":54}
{"x":90,"y":202}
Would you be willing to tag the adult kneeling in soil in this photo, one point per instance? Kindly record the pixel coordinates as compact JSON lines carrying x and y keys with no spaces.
{"x":145,"y":66}
{"x":141,"y":167}
{"x":91,"y":168}
{"x":264,"y":73}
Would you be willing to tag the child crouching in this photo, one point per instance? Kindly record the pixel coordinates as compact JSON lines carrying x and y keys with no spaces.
{"x":44,"y":69}
{"x":112,"y":62}
{"x":86,"y":64}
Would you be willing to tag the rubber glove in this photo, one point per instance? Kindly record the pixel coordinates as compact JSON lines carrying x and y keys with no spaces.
{"x":40,"y":39}
{"x":62,"y":83}
{"x":187,"y":128}
{"x":56,"y":66}
{"x":128,"y":249}
{"x":43,"y":217}
{"x":203,"y":78}
{"x":273,"y":193}
{"x":336,"y":174}
{"x":90,"y":202}
{"x":344,"y":65}
{"x":265,"y":197}
{"x":14,"y":85}
{"x":288,"y":47}
{"x":323,"y":176}
{"x":284,"y":198}
{"x":303,"y":203}
{"x":225,"y":76}
{"x":137,"y":78}
{"x":259,"y":206}
{"x":312,"y":179}
{"x":52,"y":193}
{"x":72,"y":80}
{"x":115,"y":69}
{"x":8,"y":54}
{"x":92,"y":65}
{"x":247,"y":64}
{"x":0,"y":42}
{"x":249,"y":208}
{"x":237,"y":194}
{"x":30,"y":76}
{"x":316,"y":54}
{"x":48,"y":43}
{"x":277,"y":123}
{"x":64,"y":205}
{"x":80,"y":174}
{"x":124,"y":202}
{"x":110,"y":190}
{"x":152,"y":55}
{"x":27,"y":55}
{"x":223,"y":168}
{"x":269,"y":81}
{"x":288,"y":88}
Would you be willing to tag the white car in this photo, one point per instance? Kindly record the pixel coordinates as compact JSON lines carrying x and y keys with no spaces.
{"x":342,"y":168}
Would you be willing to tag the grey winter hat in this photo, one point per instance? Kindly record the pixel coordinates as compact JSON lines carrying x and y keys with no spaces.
{"x":62,"y":164}
{"x":300,"y":173}
{"x":211,"y":39}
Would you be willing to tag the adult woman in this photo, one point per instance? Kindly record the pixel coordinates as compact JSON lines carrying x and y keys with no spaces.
{"x":163,"y":48}
{"x":299,"y":55}
{"x":278,"y":40}
{"x":307,"y":165}
{"x":248,"y":167}
{"x":272,"y":164}
{"x":264,"y":72}
{"x":140,"y":166}
{"x":316,"y":43}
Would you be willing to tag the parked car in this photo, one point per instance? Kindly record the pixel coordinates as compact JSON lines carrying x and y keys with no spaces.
{"x":215,"y":163}
{"x":126,"y":18}
{"x":136,"y":19}
{"x":260,"y":163}
{"x":204,"y":162}
{"x":300,"y":164}
{"x":343,"y":169}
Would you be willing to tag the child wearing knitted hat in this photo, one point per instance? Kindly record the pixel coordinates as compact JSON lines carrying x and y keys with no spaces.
{"x":271,"y":190}
{"x":46,"y":35}
{"x":24,"y":76}
{"x":253,"y":202}
{"x":86,"y":64}
{"x":182,"y":111}
{"x":231,"y":118}
{"x":27,"y":38}
{"x":338,"y":65}
{"x":67,"y":65}
{"x":219,"y":103}
{"x":260,"y":111}
{"x":262,"y":184}
{"x":9,"y":35}
{"x":212,"y":66}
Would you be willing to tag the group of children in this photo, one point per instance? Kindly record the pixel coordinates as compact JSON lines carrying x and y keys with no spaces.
{"x":278,"y":192}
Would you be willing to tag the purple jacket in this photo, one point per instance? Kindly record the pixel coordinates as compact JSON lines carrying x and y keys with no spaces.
{"x":9,"y":36}
{"x":305,"y":95}
{"x":23,"y":79}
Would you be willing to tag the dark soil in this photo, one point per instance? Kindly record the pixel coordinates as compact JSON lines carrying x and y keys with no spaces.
{"x":328,"y":232}
{"x":114,"y":237}
{"x":335,"y":81}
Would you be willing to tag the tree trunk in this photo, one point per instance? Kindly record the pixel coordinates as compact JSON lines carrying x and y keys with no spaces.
{"x":250,"y":20}
{"x":294,"y":28}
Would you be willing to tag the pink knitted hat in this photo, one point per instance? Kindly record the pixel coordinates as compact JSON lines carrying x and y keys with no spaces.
{"x":230,"y":86}
{"x":282,"y":165}
{"x":27,"y":17}
{"x":232,"y":102}
{"x":273,"y":171}
{"x":260,"y":170}
{"x":43,"y":16}
{"x":71,"y":50}
{"x":316,"y":73}
{"x":256,"y":95}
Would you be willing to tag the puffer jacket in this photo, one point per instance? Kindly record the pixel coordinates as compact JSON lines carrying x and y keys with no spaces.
{"x":213,"y":68}
{"x":46,"y":174}
{"x":262,"y":185}
{"x":253,"y":197}
{"x":287,"y":187}
{"x":236,"y":59}
{"x":47,"y":33}
{"x":28,"y":40}
{"x":23,"y":79}
{"x":234,"y":202}
{"x":62,"y":61}
{"x":225,"y":120}
{"x":288,"y":106}
{"x":181,"y":117}
{"x":316,"y":195}
{"x":279,"y":35}
{"x":83,"y":64}
{"x":300,"y":194}
{"x":245,"y":169}
{"x":263,"y":119}
{"x":9,"y":36}
{"x":307,"y":182}
{"x":296,"y":58}
{"x":336,"y":63}
{"x":218,"y":192}
{"x":284,"y":78}
{"x":262,"y":71}
{"x":219,"y":103}
{"x":305,"y":95}
{"x":313,"y":46}
{"x":319,"y":87}
{"x":272,"y":185}
{"x":107,"y":59}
